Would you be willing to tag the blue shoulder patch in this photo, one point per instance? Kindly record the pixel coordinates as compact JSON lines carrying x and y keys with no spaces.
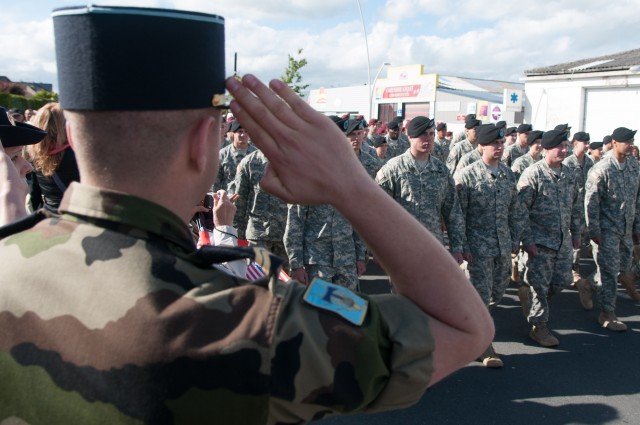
{"x":337,"y":299}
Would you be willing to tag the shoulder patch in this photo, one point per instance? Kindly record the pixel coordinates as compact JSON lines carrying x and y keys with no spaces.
{"x":336,"y":299}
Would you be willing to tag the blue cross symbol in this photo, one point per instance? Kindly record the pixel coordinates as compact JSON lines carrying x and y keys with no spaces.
{"x":514,"y":97}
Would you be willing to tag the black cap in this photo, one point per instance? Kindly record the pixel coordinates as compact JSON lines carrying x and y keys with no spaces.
{"x":134,"y":59}
{"x":470,"y":117}
{"x":501,"y":124}
{"x":18,"y":133}
{"x":393,"y":125}
{"x":562,"y":127}
{"x":378,"y":140}
{"x":553,"y":138}
{"x":523,"y":128}
{"x":595,"y":145}
{"x":469,"y":124}
{"x":606,"y":140}
{"x":235,"y":126}
{"x":419,"y":125}
{"x":441,"y":126}
{"x":510,"y":130}
{"x":623,"y":134}
{"x":581,"y":136}
{"x":487,"y":133}
{"x":349,"y":126}
{"x":533,"y":136}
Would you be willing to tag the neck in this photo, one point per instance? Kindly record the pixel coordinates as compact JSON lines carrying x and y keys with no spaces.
{"x":580,"y":156}
{"x":420,"y":156}
{"x":620,"y":157}
{"x":491,"y":162}
{"x":552,"y":164}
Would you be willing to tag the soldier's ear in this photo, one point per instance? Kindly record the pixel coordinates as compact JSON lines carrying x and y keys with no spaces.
{"x":203,"y":142}
{"x":67,"y":127}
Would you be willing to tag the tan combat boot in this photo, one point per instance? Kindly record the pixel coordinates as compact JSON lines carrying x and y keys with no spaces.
{"x":541,"y":334}
{"x":628,"y":281}
{"x":490,"y":358}
{"x":585,"y":292}
{"x":608,"y":320}
{"x":523,"y":296}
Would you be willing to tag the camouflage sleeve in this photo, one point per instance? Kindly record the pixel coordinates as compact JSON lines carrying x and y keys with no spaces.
{"x":360,"y":246}
{"x":462,"y":187}
{"x":220,"y":180}
{"x":453,"y":218}
{"x":384,"y":181}
{"x":526,"y":198}
{"x":452,"y":160}
{"x":577,"y":209}
{"x":592,"y":189}
{"x":636,"y":221}
{"x":243,"y":189}
{"x":516,"y":216}
{"x":294,"y":235}
{"x":333,"y":366}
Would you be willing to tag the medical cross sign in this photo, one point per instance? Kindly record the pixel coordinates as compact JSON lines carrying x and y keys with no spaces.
{"x":512,"y":100}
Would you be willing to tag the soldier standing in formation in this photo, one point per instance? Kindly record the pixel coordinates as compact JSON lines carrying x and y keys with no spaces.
{"x":443,"y":145}
{"x":230,"y":157}
{"x":396,"y":145}
{"x":464,"y":146}
{"x":613,"y":218}
{"x":533,"y":155}
{"x":519,"y":148}
{"x":552,"y":223}
{"x":489,"y":202}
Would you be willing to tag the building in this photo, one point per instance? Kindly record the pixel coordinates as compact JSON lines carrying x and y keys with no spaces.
{"x":594,"y":95}
{"x":407,"y":91}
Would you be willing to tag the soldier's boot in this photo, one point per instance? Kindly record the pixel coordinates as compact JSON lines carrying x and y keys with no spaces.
{"x":608,"y":320}
{"x":585,"y":292}
{"x":541,"y":334}
{"x":628,"y":281}
{"x":490,"y":358}
{"x":523,"y":296}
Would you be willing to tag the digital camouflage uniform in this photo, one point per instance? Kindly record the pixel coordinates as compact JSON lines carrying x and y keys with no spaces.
{"x":441,"y":149}
{"x":520,"y":164}
{"x":321,"y":240}
{"x":553,"y":215}
{"x":370,"y":163}
{"x":427,"y":193}
{"x":456,"y":153}
{"x":513,"y":152}
{"x":396,"y":147}
{"x":581,"y":170}
{"x":493,"y":218}
{"x":612,"y":211}
{"x":261,"y":218}
{"x":230,"y":157}
{"x":467,"y":159}
{"x":110,"y":316}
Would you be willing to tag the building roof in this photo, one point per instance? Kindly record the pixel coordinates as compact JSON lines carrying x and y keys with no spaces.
{"x":615,"y":62}
{"x":493,"y":97}
{"x":476,"y":85}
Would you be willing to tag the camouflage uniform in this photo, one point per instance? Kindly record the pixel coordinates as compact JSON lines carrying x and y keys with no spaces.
{"x":493,"y":218}
{"x":441,"y":149}
{"x":260,"y":217}
{"x":230,"y":157}
{"x":468,"y":159}
{"x":319,"y":239}
{"x":428,"y":194}
{"x":396,"y":147}
{"x":122,"y":321}
{"x":456,"y":153}
{"x":613,"y":213}
{"x":513,"y":152}
{"x":520,"y":164}
{"x":553,"y":209}
{"x":581,"y":170}
{"x":370,"y":163}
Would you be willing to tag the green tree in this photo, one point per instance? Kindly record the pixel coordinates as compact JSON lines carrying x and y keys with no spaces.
{"x":292,"y":75}
{"x":45,"y":96}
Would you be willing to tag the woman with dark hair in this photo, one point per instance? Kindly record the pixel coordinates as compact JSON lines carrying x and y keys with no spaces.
{"x":53,"y":161}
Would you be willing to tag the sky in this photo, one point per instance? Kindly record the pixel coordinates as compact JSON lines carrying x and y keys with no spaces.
{"x":495,"y":40}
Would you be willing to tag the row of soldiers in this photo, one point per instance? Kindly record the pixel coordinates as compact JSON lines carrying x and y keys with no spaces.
{"x":498,"y":194}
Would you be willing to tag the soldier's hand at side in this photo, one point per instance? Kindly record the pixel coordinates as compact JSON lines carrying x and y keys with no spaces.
{"x":361,"y":267}
{"x":288,"y":131}
{"x":468,"y":257}
{"x":223,"y":208}
{"x":458,"y":257}
{"x":531,"y":249}
{"x":300,"y":274}
{"x":597,"y":239}
{"x":636,"y":238}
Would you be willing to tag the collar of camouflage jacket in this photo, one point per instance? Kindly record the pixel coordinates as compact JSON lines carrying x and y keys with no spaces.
{"x":91,"y":203}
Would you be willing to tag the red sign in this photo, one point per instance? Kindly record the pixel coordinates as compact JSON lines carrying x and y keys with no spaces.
{"x":401,"y":91}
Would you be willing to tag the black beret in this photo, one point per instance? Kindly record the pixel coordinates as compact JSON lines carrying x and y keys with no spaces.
{"x":623,"y":134}
{"x":581,"y":136}
{"x":523,"y":128}
{"x":235,"y":126}
{"x":18,"y":133}
{"x":595,"y":145}
{"x":502,"y":124}
{"x":349,"y":126}
{"x":135,"y":59}
{"x":553,"y":138}
{"x":488,"y":133}
{"x":398,"y":119}
{"x":510,"y":130}
{"x":441,"y":126}
{"x":470,"y":117}
{"x":419,"y":125}
{"x":378,"y":140}
{"x":606,"y":140}
{"x":562,"y":127}
{"x":393,"y":125}
{"x":533,"y":136}
{"x":468,"y":124}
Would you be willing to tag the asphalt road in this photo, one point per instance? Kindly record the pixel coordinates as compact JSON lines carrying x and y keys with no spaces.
{"x":592,"y":377}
